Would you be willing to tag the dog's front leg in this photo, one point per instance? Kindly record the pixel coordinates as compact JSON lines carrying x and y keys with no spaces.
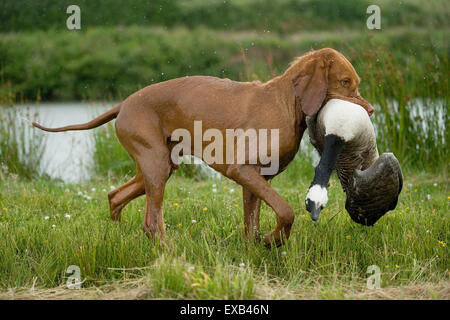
{"x":317,"y":196}
{"x":252,"y":206}
{"x":249,"y":177}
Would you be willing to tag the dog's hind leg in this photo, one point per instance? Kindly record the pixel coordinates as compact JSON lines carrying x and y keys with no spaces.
{"x":156,"y":169}
{"x":143,"y":137}
{"x":120,"y":197}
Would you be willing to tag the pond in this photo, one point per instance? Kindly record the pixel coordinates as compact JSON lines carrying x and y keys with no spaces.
{"x":68,"y":155}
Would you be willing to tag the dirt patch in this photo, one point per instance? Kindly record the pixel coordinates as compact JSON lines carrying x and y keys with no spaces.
{"x":139,"y":289}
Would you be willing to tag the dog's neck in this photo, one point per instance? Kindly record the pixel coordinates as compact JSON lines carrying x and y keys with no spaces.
{"x":283,"y":87}
{"x":281,"y":90}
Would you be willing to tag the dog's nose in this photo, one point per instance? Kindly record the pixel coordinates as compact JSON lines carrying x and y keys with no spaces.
{"x":366,"y":105}
{"x":370,"y":109}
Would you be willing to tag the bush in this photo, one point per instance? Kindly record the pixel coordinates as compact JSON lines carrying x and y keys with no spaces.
{"x":280,"y":16}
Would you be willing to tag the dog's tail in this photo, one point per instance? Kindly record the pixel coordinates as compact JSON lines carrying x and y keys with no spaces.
{"x":102,"y":119}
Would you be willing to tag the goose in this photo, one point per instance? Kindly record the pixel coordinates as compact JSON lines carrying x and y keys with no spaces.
{"x":344,"y":136}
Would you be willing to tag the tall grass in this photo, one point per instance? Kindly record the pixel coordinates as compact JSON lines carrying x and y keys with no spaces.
{"x":21,"y":146}
{"x":110,"y":158}
{"x":411,"y":117}
{"x":46,"y":227}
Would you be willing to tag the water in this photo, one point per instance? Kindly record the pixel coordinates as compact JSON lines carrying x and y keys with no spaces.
{"x":67,"y":155}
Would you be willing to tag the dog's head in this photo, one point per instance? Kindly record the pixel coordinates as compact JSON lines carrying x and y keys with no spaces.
{"x":325,"y":74}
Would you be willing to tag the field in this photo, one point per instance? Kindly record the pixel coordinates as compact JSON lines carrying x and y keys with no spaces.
{"x":48,"y":225}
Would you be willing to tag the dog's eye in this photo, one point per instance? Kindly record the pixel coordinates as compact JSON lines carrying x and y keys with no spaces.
{"x":346,"y":83}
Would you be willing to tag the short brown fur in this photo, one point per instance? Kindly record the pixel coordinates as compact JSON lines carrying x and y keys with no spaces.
{"x":146,"y":119}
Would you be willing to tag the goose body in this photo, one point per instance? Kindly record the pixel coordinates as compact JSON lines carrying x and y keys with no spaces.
{"x":345,"y":138}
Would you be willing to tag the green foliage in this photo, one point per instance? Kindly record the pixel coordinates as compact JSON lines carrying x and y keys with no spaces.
{"x":21,"y":147}
{"x":109,"y":63}
{"x":276,"y":16}
{"x":102,"y":63}
{"x":412,"y":91}
{"x":110,"y":158}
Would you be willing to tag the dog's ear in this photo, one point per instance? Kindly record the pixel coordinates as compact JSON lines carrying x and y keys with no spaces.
{"x":311,"y":85}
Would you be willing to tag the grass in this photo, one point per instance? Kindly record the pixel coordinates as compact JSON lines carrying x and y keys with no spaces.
{"x":206,"y":256}
{"x":21,"y":147}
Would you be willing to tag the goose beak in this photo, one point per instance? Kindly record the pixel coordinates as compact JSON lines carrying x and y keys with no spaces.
{"x":315,"y":213}
{"x":314,"y":209}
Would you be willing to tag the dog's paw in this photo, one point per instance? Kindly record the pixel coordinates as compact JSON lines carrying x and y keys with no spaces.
{"x":271,"y":239}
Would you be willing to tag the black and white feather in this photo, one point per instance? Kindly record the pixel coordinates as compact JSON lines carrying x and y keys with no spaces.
{"x":372,"y":183}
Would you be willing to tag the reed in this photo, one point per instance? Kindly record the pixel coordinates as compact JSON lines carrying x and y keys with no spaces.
{"x":21,"y":146}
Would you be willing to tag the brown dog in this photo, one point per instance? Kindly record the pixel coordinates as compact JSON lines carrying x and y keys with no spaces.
{"x":147,"y":118}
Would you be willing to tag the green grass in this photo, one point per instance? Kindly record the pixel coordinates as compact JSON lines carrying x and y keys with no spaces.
{"x":21,"y":147}
{"x":210,"y":258}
